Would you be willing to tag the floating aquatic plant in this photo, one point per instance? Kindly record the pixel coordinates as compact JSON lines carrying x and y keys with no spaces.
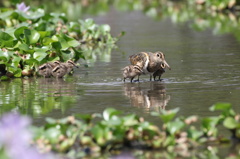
{"x":31,"y":37}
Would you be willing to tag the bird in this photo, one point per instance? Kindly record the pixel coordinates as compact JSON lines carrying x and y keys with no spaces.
{"x":45,"y":70}
{"x":61,"y":69}
{"x":158,"y":73}
{"x":149,"y":62}
{"x":131,"y":72}
{"x":69,"y":64}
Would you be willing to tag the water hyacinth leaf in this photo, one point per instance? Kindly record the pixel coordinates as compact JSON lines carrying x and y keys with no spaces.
{"x":167,"y":116}
{"x":6,"y":39}
{"x":18,"y":72}
{"x":4,"y":56}
{"x":57,"y":45}
{"x":63,"y":43}
{"x":110,"y":113}
{"x":226,"y":108}
{"x":19,"y":32}
{"x":73,"y":43}
{"x":85,"y":117}
{"x":24,"y":47}
{"x":230,"y":123}
{"x":130,"y":120}
{"x":31,"y":36}
{"x":44,"y":34}
{"x":6,"y":15}
{"x":106,"y":28}
{"x":39,"y":55}
{"x":47,"y":40}
{"x":221,"y":106}
{"x":41,"y":26}
{"x":52,"y":134}
{"x":4,"y":78}
{"x":210,"y":122}
{"x":175,"y":126}
{"x":98,"y":133}
{"x":194,"y":134}
{"x":32,"y":15}
{"x":16,"y":60}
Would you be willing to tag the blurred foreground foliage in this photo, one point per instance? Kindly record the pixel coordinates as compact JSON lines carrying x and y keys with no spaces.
{"x":109,"y":133}
{"x":30,"y":37}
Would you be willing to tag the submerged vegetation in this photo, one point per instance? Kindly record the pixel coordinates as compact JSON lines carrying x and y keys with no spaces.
{"x":31,"y":37}
{"x":81,"y":135}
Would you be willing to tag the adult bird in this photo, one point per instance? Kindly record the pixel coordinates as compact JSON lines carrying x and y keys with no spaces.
{"x":149,"y":62}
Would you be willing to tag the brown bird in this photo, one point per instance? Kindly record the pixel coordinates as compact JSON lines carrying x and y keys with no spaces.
{"x":69,"y":64}
{"x":158,"y":73}
{"x":149,"y":62}
{"x":45,"y":70}
{"x":131,"y":72}
{"x":59,"y":71}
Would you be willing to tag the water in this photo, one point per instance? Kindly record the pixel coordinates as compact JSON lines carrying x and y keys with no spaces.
{"x":205,"y":70}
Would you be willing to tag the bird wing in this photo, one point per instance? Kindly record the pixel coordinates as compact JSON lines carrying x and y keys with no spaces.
{"x":138,"y":59}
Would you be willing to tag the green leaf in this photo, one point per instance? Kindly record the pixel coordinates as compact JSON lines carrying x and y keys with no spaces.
{"x":226,"y":109}
{"x":24,"y":47}
{"x":130,"y":120}
{"x":19,"y":32}
{"x":44,"y":34}
{"x":6,"y":40}
{"x":194,"y":134}
{"x":167,"y":116}
{"x":175,"y":126}
{"x":16,"y":60}
{"x":110,"y":113}
{"x":18,"y":72}
{"x":57,"y":45}
{"x":4,"y":56}
{"x":230,"y":123}
{"x":31,"y":36}
{"x":47,"y":41}
{"x":39,"y":55}
{"x":53,"y":134}
{"x":4,"y":78}
{"x":73,"y":43}
{"x":221,"y":106}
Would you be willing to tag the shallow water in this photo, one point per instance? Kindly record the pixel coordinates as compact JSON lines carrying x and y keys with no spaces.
{"x":205,"y":70}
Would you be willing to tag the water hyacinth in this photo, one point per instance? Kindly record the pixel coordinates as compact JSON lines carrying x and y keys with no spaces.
{"x":15,"y":138}
{"x":22,"y":7}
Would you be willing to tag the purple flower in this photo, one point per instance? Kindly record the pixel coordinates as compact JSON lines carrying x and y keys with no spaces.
{"x":15,"y":138}
{"x":22,"y":7}
{"x":14,"y":129}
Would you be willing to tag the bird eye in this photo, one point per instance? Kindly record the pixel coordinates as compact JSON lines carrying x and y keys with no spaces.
{"x":158,"y":55}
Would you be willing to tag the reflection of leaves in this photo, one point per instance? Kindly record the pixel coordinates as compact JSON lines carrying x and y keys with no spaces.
{"x":33,"y":98}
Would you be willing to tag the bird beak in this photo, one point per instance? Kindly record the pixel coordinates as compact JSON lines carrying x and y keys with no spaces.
{"x":166,"y":64}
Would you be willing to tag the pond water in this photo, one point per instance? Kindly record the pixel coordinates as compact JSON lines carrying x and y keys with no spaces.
{"x":205,"y":70}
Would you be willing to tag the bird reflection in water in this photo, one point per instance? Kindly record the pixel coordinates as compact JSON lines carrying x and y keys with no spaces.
{"x":56,"y":87}
{"x":153,"y":98}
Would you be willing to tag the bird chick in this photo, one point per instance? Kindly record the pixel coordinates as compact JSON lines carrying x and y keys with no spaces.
{"x":158,"y":73}
{"x":59,"y":71}
{"x":45,"y":70}
{"x":69,"y":65}
{"x":131,"y":72}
